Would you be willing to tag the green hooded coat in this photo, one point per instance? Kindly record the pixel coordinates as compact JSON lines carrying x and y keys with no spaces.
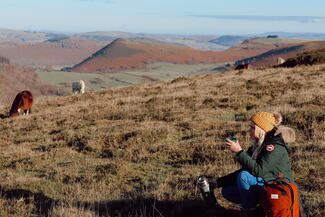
{"x":272,"y":159}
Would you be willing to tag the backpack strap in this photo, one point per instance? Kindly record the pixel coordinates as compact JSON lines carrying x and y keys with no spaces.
{"x":292,"y":196}
{"x":281,"y":178}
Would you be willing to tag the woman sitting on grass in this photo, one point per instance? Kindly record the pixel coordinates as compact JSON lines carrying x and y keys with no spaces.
{"x":262,"y":162}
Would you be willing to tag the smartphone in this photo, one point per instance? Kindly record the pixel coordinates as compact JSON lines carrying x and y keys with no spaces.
{"x":232,"y":139}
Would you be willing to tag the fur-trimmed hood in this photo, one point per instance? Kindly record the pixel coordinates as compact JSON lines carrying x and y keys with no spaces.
{"x":288,"y":134}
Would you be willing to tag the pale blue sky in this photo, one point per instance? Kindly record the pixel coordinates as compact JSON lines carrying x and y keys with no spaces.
{"x":165,"y":16}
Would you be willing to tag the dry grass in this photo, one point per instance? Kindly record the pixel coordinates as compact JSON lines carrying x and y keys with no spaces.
{"x":136,"y":151}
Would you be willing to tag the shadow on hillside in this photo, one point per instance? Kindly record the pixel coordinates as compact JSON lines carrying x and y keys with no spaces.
{"x":41,"y":202}
{"x":149,"y":208}
{"x":139,"y":207}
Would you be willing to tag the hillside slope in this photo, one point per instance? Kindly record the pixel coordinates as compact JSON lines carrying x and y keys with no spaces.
{"x":14,"y":79}
{"x":269,"y":58}
{"x":306,"y":58}
{"x":136,"y":151}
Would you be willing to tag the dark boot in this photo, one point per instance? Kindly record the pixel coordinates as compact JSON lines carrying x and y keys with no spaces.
{"x":249,"y":213}
{"x":210,"y":198}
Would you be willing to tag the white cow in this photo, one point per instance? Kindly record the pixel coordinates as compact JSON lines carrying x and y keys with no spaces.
{"x":78,"y":86}
{"x":280,"y":60}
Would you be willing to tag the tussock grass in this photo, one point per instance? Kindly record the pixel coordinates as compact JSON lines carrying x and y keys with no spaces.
{"x":137,"y":150}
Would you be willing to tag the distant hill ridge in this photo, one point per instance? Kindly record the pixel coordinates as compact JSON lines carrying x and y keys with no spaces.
{"x":55,"y":52}
{"x":125,"y":54}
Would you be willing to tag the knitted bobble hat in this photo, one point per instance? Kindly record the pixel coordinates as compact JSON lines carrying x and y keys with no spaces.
{"x":266,"y":121}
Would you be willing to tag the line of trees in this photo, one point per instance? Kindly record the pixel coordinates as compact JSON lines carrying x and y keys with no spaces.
{"x":4,"y":60}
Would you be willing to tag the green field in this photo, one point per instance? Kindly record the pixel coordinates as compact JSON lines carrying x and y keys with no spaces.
{"x":154,"y":72}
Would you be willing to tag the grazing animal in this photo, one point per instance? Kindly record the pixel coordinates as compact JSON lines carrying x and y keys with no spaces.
{"x":22,"y":103}
{"x":242,"y":66}
{"x":280,"y":60}
{"x":78,"y":86}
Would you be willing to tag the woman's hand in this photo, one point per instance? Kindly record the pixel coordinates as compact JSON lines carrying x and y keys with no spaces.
{"x":233,"y":146}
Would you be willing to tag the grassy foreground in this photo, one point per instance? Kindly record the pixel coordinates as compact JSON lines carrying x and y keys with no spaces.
{"x":136,"y":151}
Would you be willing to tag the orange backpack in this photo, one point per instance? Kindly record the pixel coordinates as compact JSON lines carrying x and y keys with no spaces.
{"x":279,"y":199}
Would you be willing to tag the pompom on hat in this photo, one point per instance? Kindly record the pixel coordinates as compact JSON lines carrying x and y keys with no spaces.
{"x":266,"y":121}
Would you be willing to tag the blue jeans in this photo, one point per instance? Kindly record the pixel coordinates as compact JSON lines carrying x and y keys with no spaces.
{"x":245,"y":192}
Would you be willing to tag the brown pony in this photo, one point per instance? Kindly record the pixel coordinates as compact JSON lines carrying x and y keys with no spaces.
{"x":23,"y":101}
{"x":242,"y":66}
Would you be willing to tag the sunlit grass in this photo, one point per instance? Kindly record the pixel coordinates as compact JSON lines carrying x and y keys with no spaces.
{"x":136,"y":150}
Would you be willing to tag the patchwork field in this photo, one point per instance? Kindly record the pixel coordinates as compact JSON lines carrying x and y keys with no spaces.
{"x":137,"y":150}
{"x":154,"y":72}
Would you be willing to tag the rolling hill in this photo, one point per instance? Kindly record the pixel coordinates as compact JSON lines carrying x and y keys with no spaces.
{"x":194,"y":41}
{"x":137,"y":150}
{"x":125,"y":54}
{"x":54,"y":50}
{"x":21,"y":36}
{"x":278,"y":41}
